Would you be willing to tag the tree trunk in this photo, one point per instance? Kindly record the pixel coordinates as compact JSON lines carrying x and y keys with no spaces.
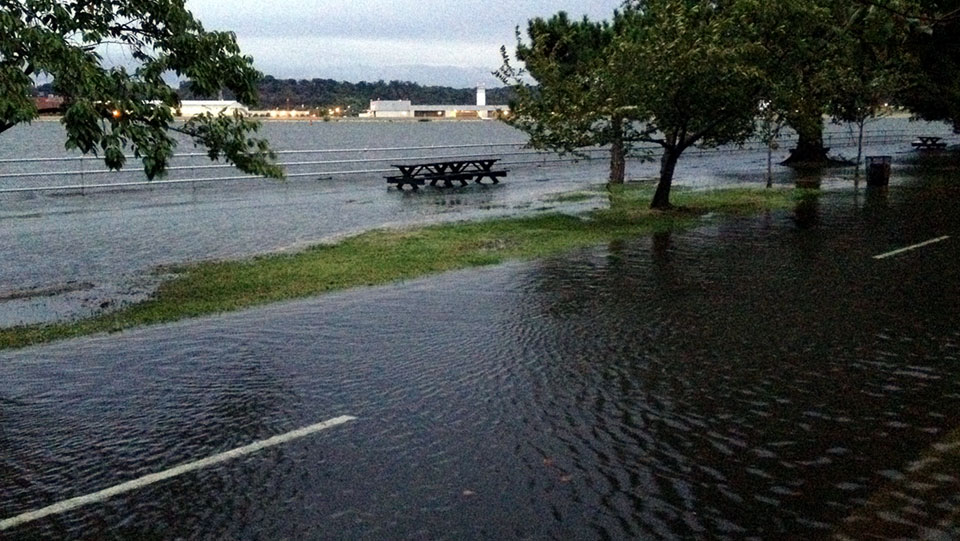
{"x":856,"y":172}
{"x":807,"y":212}
{"x":661,"y":245}
{"x":769,"y":166}
{"x":809,"y":149}
{"x":668,"y":164}
{"x":618,"y":162}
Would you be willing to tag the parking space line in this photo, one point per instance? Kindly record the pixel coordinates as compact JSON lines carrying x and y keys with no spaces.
{"x":909,"y":248}
{"x":136,"y":484}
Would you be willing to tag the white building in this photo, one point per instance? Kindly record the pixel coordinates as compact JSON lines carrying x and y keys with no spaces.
{"x":391,"y":109}
{"x":405,"y":109}
{"x":199,"y":107}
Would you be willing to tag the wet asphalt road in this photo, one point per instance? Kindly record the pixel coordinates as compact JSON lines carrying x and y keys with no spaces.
{"x":763,"y":377}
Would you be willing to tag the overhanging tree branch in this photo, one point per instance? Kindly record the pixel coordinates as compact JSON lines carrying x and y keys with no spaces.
{"x":927,"y":18}
{"x":59,"y":39}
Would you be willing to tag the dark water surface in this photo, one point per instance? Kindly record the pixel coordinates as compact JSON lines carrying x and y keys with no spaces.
{"x":757,"y":378}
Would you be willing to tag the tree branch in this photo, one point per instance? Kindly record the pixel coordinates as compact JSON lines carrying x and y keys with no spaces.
{"x":931,"y":19}
{"x":647,"y":139}
{"x":696,"y":136}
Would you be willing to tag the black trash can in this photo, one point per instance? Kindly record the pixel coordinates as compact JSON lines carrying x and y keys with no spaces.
{"x":878,"y":170}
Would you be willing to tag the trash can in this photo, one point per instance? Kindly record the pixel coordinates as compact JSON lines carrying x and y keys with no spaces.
{"x":878,"y":170}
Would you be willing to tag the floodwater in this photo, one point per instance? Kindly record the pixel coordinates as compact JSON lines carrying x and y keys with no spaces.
{"x":70,"y":254}
{"x":83,"y":252}
{"x":758,"y":378}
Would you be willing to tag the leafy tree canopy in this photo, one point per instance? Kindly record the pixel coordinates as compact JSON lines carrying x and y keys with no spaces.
{"x":577,"y":101}
{"x":113,"y":108}
{"x":846,"y":58}
{"x":677,"y":73}
{"x":693,"y":75}
{"x":934,"y":91}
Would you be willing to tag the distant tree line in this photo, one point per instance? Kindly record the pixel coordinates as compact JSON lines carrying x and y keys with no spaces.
{"x":328,"y":93}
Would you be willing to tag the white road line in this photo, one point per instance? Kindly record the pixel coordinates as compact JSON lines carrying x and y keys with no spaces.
{"x":136,"y":484}
{"x":914,"y":247}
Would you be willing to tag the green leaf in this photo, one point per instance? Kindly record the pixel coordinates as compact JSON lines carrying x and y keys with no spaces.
{"x":112,"y":108}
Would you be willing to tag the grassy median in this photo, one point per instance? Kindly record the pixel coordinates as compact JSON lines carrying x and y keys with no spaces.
{"x":384,"y":256}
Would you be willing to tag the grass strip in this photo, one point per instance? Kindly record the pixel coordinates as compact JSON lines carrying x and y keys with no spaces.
{"x":385,"y":256}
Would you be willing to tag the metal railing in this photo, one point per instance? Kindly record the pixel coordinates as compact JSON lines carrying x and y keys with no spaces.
{"x":70,"y":173}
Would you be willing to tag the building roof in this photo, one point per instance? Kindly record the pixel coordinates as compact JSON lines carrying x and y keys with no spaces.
{"x":211,"y":103}
{"x":457,"y":107}
{"x":390,"y":105}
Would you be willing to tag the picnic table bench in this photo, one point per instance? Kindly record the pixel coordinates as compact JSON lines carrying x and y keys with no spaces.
{"x":929,"y":142}
{"x":447,"y":172}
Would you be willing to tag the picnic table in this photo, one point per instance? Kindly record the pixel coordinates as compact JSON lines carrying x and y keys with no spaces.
{"x":929,"y":142}
{"x":447,"y":172}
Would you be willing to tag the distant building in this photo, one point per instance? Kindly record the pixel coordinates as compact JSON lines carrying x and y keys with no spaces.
{"x":405,"y":109}
{"x":390,"y":109}
{"x":283,"y":114}
{"x":52,"y":104}
{"x":291,"y":113}
{"x":199,"y":107}
{"x":48,"y":104}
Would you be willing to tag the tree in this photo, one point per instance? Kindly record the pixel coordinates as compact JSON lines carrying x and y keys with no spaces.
{"x":870,"y":68}
{"x":675,"y":73}
{"x":114,"y":108}
{"x":770,"y":125}
{"x":933,"y":92}
{"x":577,"y":101}
{"x":843,"y":58}
{"x":797,"y":50}
{"x":690,"y":75}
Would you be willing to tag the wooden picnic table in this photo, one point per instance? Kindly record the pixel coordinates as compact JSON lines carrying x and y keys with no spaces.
{"x":929,"y":142}
{"x":447,"y":172}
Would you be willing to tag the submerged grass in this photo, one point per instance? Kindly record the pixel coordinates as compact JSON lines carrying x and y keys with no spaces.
{"x":384,"y":256}
{"x":571,"y":197}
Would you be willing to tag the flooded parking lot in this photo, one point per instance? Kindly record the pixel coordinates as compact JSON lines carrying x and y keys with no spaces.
{"x":73,"y":253}
{"x":764,"y":377}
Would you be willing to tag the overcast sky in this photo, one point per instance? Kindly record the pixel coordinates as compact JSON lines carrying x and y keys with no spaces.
{"x":449,"y":42}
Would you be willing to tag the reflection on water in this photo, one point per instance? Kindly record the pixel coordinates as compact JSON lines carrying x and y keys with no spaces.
{"x":748,"y":379}
{"x":763,"y":377}
{"x":729,"y":395}
{"x":876,"y":201}
{"x":807,"y":212}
